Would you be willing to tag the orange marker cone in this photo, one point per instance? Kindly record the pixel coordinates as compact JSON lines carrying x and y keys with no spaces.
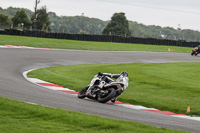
{"x":188,"y":109}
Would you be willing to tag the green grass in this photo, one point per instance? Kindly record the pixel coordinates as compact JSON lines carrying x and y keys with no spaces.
{"x":85,"y":45}
{"x":165,"y":86}
{"x":148,"y":87}
{"x":20,"y":117}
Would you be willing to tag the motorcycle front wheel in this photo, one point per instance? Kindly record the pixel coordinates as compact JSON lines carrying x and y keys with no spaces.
{"x":82,"y":92}
{"x":103,"y":98}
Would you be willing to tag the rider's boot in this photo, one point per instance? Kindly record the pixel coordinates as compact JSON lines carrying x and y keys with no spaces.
{"x":114,"y":99}
{"x":88,"y":93}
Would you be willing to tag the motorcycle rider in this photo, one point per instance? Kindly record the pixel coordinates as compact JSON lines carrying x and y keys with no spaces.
{"x":198,"y":49}
{"x":119,"y":78}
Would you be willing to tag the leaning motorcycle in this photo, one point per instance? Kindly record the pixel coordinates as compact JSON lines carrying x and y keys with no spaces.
{"x":101,"y":91}
{"x":195,"y":52}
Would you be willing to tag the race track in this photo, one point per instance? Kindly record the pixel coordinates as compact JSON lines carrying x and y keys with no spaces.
{"x":14,"y":61}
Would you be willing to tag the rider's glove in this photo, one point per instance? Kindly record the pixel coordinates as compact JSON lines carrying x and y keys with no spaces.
{"x":100,"y":73}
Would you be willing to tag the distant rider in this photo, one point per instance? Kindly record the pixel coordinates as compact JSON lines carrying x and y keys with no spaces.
{"x":198,"y":48}
{"x":122,"y":77}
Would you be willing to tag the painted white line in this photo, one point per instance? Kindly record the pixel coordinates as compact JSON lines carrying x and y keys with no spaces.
{"x":57,"y":88}
{"x":133,"y":106}
{"x":32,"y":103}
{"x":188,"y":117}
{"x":25,"y":47}
{"x":35,"y":80}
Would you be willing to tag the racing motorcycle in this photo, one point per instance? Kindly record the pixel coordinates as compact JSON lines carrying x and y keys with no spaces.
{"x":195,"y":52}
{"x":101,"y":91}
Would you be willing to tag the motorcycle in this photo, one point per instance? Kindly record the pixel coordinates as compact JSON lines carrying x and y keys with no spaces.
{"x":195,"y":52}
{"x":101,"y":91}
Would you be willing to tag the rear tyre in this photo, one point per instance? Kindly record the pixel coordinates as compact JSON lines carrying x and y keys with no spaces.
{"x":108,"y":96}
{"x":82,"y":93}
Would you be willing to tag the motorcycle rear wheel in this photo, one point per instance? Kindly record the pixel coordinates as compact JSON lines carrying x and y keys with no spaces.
{"x":82,"y":92}
{"x":105,"y":98}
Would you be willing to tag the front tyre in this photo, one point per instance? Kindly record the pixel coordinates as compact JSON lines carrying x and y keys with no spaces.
{"x":82,"y":92}
{"x":103,"y":98}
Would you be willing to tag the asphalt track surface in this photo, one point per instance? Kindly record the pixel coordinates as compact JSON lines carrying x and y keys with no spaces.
{"x":13,"y":62}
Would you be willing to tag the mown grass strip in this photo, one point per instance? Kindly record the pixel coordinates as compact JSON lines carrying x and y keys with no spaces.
{"x":20,"y":117}
{"x":85,"y":45}
{"x":165,"y":86}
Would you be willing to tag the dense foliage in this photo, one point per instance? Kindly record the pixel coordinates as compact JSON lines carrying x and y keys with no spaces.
{"x":43,"y":21}
{"x":118,"y":25}
{"x":83,"y":24}
{"x":76,"y":24}
{"x":21,"y":19}
{"x":4,"y":21}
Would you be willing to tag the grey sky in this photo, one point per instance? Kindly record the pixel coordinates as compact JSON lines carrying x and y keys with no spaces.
{"x":149,"y":12}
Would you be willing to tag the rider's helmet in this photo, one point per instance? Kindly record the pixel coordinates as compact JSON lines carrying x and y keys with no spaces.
{"x":124,"y":74}
{"x":123,"y":78}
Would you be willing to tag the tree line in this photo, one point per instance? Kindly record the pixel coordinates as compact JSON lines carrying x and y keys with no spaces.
{"x":118,"y":25}
{"x":23,"y":20}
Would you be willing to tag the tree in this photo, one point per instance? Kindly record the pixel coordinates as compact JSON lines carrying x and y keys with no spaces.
{"x":43,"y":22}
{"x":4,"y":21}
{"x":22,"y":19}
{"x":118,"y":25}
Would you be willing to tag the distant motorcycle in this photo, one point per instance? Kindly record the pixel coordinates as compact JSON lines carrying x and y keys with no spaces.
{"x":101,"y":91}
{"x":195,"y":51}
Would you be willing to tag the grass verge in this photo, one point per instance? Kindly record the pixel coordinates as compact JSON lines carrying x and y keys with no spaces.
{"x":85,"y":45}
{"x":20,"y":117}
{"x":165,"y":86}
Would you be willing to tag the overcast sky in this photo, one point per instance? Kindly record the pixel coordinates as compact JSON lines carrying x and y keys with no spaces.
{"x":149,"y":12}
